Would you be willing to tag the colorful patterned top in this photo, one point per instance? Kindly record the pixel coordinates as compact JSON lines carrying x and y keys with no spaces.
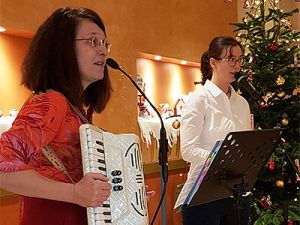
{"x":45,"y":119}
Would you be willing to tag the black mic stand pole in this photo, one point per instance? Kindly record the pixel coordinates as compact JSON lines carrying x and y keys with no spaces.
{"x":163,"y":143}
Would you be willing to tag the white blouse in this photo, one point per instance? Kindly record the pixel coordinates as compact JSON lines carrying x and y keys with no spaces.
{"x":208,"y":116}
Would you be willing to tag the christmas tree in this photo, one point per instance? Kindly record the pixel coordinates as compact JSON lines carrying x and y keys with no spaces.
{"x":272,"y":52}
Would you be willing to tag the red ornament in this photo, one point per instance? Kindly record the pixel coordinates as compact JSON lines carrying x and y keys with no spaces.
{"x":290,"y":222}
{"x":273,"y":47}
{"x":263,"y":104}
{"x":265,"y":202}
{"x":271,"y":164}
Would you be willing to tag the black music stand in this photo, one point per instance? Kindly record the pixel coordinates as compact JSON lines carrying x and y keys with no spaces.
{"x":233,"y":165}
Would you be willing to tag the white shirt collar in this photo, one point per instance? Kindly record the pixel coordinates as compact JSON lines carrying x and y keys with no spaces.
{"x":215,"y":90}
{"x":212,"y":88}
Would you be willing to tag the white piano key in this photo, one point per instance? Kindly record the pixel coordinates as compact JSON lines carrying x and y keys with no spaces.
{"x":94,"y":155}
{"x":96,"y":151}
{"x":97,"y":164}
{"x":101,"y":210}
{"x":101,"y":223}
{"x":100,"y":217}
{"x":92,"y":144}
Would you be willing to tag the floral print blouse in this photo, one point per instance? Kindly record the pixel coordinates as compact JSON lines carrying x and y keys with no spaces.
{"x":45,"y":119}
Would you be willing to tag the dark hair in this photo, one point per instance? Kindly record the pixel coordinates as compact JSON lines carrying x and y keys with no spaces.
{"x":51,"y":61}
{"x":215,"y":49}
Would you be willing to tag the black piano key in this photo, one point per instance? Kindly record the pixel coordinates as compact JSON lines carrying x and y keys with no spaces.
{"x":106,"y":213}
{"x":106,"y":206}
{"x":100,"y":150}
{"x":101,"y":161}
{"x":100,"y":143}
{"x":107,"y":221}
{"x":102,"y":169}
{"x":95,"y":164}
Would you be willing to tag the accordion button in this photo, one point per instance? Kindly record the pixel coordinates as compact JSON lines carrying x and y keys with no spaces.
{"x":118,"y":188}
{"x":116,"y":172}
{"x":116,"y":180}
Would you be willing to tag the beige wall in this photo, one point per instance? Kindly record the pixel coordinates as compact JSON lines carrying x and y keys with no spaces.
{"x":179,"y":29}
{"x":12,"y":94}
{"x":286,"y":5}
{"x":289,"y":5}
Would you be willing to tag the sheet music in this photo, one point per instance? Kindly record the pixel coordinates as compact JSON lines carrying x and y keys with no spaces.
{"x":201,"y":174}
{"x":190,"y":188}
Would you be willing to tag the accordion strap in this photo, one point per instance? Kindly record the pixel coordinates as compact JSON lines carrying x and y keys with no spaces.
{"x":56,"y":162}
{"x":79,"y":114}
{"x":49,"y":153}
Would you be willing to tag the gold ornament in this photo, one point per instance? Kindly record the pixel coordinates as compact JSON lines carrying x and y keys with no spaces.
{"x":296,"y":91}
{"x":279,"y":183}
{"x":268,"y":96}
{"x":284,"y":121}
{"x":280,"y":80}
{"x":281,"y":94}
{"x":176,"y":124}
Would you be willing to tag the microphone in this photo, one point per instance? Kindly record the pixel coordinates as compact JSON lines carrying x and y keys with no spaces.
{"x":247,"y":85}
{"x":163,"y":141}
{"x":113,"y":64}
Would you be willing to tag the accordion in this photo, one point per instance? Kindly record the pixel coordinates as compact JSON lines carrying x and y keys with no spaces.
{"x":119,"y":158}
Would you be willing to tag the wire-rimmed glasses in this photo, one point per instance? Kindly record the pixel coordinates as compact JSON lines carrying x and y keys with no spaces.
{"x":232,"y":61}
{"x":95,"y":41}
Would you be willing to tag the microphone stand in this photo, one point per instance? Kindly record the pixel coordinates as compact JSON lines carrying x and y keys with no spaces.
{"x":163,"y":144}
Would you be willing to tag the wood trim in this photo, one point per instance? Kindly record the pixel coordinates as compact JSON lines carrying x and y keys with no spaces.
{"x":150,"y":168}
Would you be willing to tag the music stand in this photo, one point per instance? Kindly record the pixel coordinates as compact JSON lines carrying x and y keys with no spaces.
{"x":233,"y":165}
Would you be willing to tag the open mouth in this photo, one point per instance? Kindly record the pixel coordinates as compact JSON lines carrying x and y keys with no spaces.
{"x":99,"y":63}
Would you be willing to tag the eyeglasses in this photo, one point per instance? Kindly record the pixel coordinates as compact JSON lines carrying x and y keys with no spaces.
{"x":232,"y":61}
{"x":95,"y":41}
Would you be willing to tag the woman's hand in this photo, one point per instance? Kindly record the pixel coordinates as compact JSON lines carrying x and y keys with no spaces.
{"x":92,"y":190}
{"x":149,"y":194}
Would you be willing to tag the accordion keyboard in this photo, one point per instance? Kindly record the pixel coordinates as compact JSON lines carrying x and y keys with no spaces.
{"x":119,"y":158}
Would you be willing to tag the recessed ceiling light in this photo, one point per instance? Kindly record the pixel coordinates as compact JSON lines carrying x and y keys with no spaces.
{"x":2,"y":29}
{"x":183,"y":62}
{"x":157,"y":57}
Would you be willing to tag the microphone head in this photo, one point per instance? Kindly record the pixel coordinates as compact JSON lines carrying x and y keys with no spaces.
{"x":238,"y":76}
{"x":247,"y":85}
{"x":241,"y":79}
{"x":112,"y":63}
